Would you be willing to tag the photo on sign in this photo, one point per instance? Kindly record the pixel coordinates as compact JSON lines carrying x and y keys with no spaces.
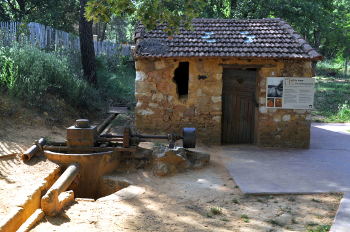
{"x":275,"y":87}
{"x":278,"y":102}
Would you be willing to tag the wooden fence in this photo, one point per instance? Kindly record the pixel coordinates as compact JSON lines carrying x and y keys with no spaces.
{"x":46,"y":37}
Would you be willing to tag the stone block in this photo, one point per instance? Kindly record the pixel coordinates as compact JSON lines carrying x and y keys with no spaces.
{"x":190,"y":112}
{"x":153,"y":105}
{"x":144,"y":65}
{"x":217,"y":118}
{"x":140,"y":76}
{"x":286,"y":117}
{"x":198,"y":159}
{"x":144,"y":112}
{"x":263,"y":109}
{"x":160,"y":64}
{"x":216,"y":99}
{"x":262,"y":100}
{"x":157,"y":97}
{"x":144,"y":87}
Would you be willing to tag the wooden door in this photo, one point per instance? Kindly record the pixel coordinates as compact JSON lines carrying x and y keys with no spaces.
{"x":238,"y":106}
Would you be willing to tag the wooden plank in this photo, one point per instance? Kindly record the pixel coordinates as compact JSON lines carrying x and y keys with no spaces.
{"x":238,"y":106}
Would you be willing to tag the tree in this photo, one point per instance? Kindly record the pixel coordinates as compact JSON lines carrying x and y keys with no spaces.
{"x":150,"y":13}
{"x":87,"y":46}
{"x":321,"y":22}
{"x":59,"y":14}
{"x":217,"y":9}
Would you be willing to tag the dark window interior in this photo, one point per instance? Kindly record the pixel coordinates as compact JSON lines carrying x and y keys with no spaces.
{"x":181,"y":78}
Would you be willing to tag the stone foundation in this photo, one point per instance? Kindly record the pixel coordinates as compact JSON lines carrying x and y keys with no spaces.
{"x":159,"y":109}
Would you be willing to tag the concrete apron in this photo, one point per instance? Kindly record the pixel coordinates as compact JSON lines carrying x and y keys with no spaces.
{"x":324,"y":168}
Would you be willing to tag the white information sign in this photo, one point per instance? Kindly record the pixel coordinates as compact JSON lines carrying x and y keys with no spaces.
{"x":290,"y":92}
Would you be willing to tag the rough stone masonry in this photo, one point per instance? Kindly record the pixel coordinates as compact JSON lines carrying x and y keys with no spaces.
{"x":159,"y":108}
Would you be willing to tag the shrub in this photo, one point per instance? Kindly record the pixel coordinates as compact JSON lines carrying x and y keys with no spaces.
{"x":9,"y":72}
{"x":32,"y":75}
{"x":343,"y":113}
{"x":37,"y":77}
{"x":116,"y":78}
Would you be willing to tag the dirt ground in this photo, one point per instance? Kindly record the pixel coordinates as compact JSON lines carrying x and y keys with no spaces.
{"x":197,"y":200}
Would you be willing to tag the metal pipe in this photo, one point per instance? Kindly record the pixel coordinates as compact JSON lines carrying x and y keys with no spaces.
{"x":105,"y":123}
{"x":66,"y":178}
{"x":111,"y":136}
{"x":152,"y":136}
{"x":33,"y":150}
{"x":56,"y":143}
{"x":78,"y":150}
{"x":50,"y":203}
{"x":103,"y":140}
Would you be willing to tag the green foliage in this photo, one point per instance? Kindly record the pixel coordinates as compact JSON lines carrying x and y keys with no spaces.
{"x":116,"y":80}
{"x":34,"y":76}
{"x":332,"y":94}
{"x":245,"y":218}
{"x":149,"y":12}
{"x":343,"y":114}
{"x":8,"y":72}
{"x":324,"y":23}
{"x":215,"y":210}
{"x":60,"y":14}
{"x":320,"y":228}
{"x":331,"y":68}
{"x":217,"y":9}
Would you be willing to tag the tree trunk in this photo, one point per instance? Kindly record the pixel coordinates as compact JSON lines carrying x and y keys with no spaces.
{"x":233,"y":7}
{"x":87,"y":46}
{"x":346,"y":66}
{"x":103,"y":33}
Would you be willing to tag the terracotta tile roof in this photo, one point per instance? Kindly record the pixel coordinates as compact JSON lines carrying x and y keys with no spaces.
{"x":253,"y":38}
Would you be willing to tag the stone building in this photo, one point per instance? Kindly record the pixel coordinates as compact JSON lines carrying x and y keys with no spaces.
{"x":214,"y":77}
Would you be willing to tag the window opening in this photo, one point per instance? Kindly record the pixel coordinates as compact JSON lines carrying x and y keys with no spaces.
{"x":181,"y":78}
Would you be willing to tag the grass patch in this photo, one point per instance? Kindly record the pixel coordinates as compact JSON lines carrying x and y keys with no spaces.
{"x":236,"y":201}
{"x":332,"y":99}
{"x":216,"y":210}
{"x":319,"y":228}
{"x":274,"y":222}
{"x":245,"y":218}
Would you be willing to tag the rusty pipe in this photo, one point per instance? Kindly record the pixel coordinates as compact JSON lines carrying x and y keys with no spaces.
{"x":66,"y":178}
{"x":105,"y":123}
{"x":33,"y":150}
{"x":104,"y":140}
{"x":50,"y":203}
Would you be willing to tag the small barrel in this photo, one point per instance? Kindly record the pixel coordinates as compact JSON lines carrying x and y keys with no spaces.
{"x":189,"y":137}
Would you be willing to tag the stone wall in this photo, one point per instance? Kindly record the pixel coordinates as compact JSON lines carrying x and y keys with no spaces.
{"x":283,"y":127}
{"x":160,"y":110}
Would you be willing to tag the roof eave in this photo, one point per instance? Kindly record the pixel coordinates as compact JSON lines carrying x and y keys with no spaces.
{"x":317,"y":58}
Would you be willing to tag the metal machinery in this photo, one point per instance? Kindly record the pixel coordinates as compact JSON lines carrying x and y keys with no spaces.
{"x":88,"y":154}
{"x":85,"y":138}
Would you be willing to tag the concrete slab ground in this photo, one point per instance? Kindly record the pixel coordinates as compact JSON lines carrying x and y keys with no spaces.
{"x":325,"y":167}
